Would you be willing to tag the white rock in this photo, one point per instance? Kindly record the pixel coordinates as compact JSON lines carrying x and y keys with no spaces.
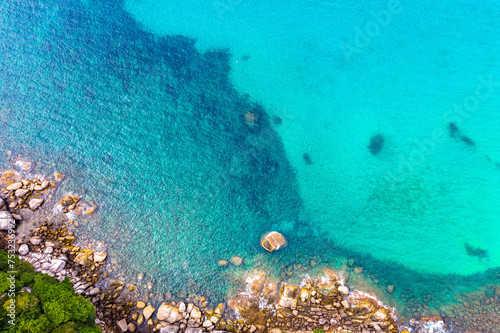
{"x":24,"y":250}
{"x":100,"y":256}
{"x":6,"y":220}
{"x":57,"y":265}
{"x":94,"y":291}
{"x":168,"y":313}
{"x":35,"y":240}
{"x":122,"y":325}
{"x":35,"y":203}
{"x":48,"y":250}
{"x":182,"y":307}
{"x":344,"y":290}
{"x":52,"y":244}
{"x":15,"y":186}
{"x":195,"y":313}
{"x":21,"y":192}
{"x":169,"y":329}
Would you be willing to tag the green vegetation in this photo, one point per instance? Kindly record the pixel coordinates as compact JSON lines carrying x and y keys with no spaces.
{"x":52,"y":306}
{"x":318,"y":330}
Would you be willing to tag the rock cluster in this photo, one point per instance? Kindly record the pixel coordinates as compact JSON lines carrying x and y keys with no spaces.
{"x":170,"y":318}
{"x":73,"y":203}
{"x":478,"y":311}
{"x":69,"y":202}
{"x":51,"y":251}
{"x":24,"y":193}
{"x":299,"y":309}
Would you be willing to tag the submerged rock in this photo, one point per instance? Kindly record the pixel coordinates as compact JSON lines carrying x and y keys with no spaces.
{"x":222,"y":263}
{"x":236,"y":261}
{"x":475,"y":252}
{"x":376,"y":144}
{"x":7,"y":175}
{"x":273,"y":241}
{"x":307,"y":158}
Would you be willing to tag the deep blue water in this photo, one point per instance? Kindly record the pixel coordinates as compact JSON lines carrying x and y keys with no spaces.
{"x":198,"y":132}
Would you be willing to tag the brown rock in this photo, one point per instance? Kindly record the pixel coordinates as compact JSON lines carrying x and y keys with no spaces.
{"x":66,"y":200}
{"x":390,"y":289}
{"x":379,"y":315}
{"x":7,"y":175}
{"x":222,"y":263}
{"x":273,"y":241}
{"x":90,"y":211}
{"x":131,"y":327}
{"x":358,"y":270}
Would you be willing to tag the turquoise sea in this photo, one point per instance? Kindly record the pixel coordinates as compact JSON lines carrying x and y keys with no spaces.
{"x":364,"y":130}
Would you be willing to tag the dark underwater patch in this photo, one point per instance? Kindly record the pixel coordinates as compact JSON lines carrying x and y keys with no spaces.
{"x":475,"y":252}
{"x":455,"y":132}
{"x":453,"y":129}
{"x":376,"y":144}
{"x":163,"y":116}
{"x":307,"y":158}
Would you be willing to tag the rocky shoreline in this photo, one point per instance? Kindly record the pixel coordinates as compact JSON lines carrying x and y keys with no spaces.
{"x":49,"y":247}
{"x":51,"y":251}
{"x":266,"y":306}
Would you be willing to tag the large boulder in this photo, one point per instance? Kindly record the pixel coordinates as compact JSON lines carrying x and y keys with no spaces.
{"x":169,"y":313}
{"x":273,"y":241}
{"x":6,"y":220}
{"x":288,"y":297}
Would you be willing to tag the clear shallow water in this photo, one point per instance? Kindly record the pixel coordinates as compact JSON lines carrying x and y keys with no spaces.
{"x":339,"y":73}
{"x":154,"y":130}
